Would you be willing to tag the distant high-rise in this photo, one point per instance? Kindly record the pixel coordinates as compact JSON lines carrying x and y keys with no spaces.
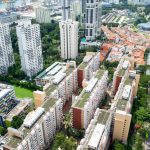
{"x":6,"y":51}
{"x":43,"y":14}
{"x":69,"y":39}
{"x":65,"y":9}
{"x":92,"y":18}
{"x":30,"y":48}
{"x":138,"y":2}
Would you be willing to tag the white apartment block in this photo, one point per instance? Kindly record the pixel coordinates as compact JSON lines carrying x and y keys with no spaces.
{"x":43,"y":14}
{"x":69,"y":39}
{"x":39,"y":128}
{"x":87,"y":68}
{"x":122,"y":70}
{"x":139,"y":2}
{"x":114,"y":1}
{"x":30,"y":48}
{"x":97,"y":135}
{"x":65,"y":4}
{"x":75,"y":9}
{"x":60,"y":80}
{"x":6,"y":51}
{"x":92,"y":19}
{"x":89,"y":99}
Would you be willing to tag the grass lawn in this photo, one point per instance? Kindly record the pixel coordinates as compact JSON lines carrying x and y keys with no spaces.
{"x":23,"y":93}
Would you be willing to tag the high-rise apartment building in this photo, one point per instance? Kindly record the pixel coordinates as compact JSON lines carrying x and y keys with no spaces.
{"x":38,"y":129}
{"x":122,"y":70}
{"x":59,"y":81}
{"x":43,"y":14}
{"x":87,"y":102}
{"x":92,"y":19}
{"x":65,"y":4}
{"x":75,"y":10}
{"x":125,"y":85}
{"x":97,"y":135}
{"x":89,"y":65}
{"x":123,"y":104}
{"x":138,"y":2}
{"x":6,"y":51}
{"x":69,"y":39}
{"x":30,"y":49}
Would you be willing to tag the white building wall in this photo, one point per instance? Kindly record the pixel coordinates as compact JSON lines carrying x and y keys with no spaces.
{"x":30,"y":48}
{"x":6,"y":51}
{"x":43,"y":15}
{"x":69,"y":39}
{"x":92,"y":19}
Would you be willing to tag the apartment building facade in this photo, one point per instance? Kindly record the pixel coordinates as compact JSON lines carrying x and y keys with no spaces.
{"x":6,"y":51}
{"x":90,"y":98}
{"x":7,"y":98}
{"x":97,"y":135}
{"x":69,"y":39}
{"x":38,"y":129}
{"x":92,"y":19}
{"x":89,"y":65}
{"x":123,"y":101}
{"x":30,"y":49}
{"x":60,"y":80}
{"x":43,"y":14}
{"x":65,"y":4}
{"x":122,"y":70}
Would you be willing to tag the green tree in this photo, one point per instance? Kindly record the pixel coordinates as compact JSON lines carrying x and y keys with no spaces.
{"x":138,"y":145}
{"x":16,"y":122}
{"x":8,"y":123}
{"x":64,"y":142}
{"x":2,"y":130}
{"x":118,"y":146}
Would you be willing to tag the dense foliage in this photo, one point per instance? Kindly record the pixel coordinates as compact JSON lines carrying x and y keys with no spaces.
{"x":64,"y":143}
{"x":16,"y":122}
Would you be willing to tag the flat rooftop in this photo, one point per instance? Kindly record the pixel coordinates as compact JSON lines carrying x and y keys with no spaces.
{"x":121,"y":72}
{"x":84,"y":97}
{"x":103,"y":117}
{"x":101,"y":120}
{"x":54,"y":69}
{"x":86,"y":60}
{"x":122,"y":103}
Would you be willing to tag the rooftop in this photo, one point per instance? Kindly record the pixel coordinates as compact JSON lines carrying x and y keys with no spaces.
{"x":121,"y":104}
{"x":100,"y":73}
{"x":86,"y":94}
{"x":83,"y":100}
{"x":56,"y":71}
{"x":82,"y":65}
{"x":14,"y":141}
{"x":103,"y":117}
{"x":121,"y":72}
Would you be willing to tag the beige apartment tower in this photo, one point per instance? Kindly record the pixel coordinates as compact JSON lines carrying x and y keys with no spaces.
{"x":121,"y":126}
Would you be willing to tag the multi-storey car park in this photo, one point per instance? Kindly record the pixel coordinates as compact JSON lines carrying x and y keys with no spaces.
{"x":89,"y":65}
{"x":86,"y":103}
{"x":38,"y":129}
{"x":97,"y":135}
{"x":60,"y":80}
